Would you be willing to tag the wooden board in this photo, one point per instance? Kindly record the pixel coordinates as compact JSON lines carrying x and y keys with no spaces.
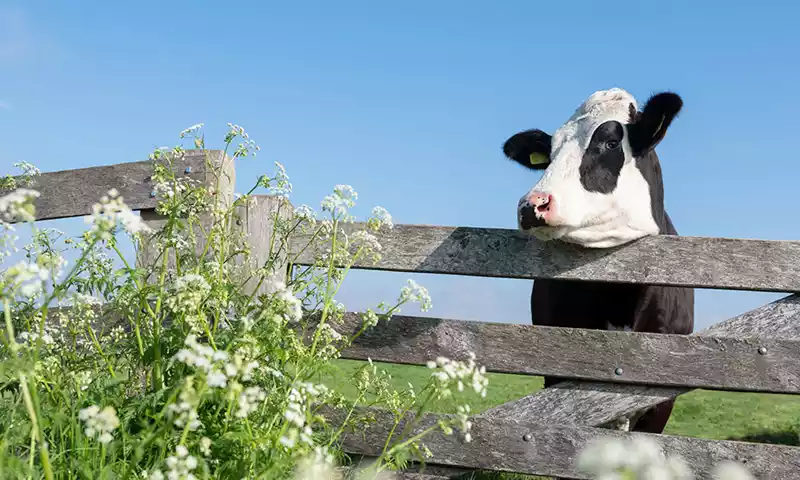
{"x":71,"y":193}
{"x":546,"y":449}
{"x":743,"y":364}
{"x":592,"y":403}
{"x":660,"y":260}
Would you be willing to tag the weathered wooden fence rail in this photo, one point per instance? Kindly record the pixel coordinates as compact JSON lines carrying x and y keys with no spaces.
{"x":611,"y":373}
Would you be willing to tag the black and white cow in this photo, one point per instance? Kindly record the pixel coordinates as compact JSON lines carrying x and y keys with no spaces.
{"x":602,"y":187}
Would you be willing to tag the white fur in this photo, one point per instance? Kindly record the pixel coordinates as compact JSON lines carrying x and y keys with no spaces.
{"x":594,"y":219}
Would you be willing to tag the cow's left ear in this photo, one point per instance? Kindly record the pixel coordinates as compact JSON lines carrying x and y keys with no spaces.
{"x":652,"y":123}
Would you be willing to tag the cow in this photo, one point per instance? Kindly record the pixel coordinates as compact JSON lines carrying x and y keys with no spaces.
{"x":601,"y":188}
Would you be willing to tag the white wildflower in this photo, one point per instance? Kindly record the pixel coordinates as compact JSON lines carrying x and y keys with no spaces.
{"x":369,"y":318}
{"x":191,"y":130}
{"x":414,"y":292}
{"x":26,"y":278}
{"x":380,"y":218}
{"x":306,"y":214}
{"x":28,"y":169}
{"x":99,"y":423}
{"x":249,"y":400}
{"x":459,"y":372}
{"x":217,"y":379}
{"x":342,"y":199}
{"x":205,"y":446}
{"x":640,"y":457}
{"x":155,"y":475}
{"x":730,"y":470}
{"x":316,"y":468}
{"x":110,"y":211}
{"x":18,"y":206}
{"x":186,"y":295}
{"x":185,"y":414}
{"x":181,"y":464}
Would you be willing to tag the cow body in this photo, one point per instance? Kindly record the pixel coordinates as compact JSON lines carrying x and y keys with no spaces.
{"x":602,"y":187}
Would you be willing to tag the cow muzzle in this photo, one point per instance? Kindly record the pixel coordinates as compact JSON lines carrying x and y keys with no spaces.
{"x":536,"y":210}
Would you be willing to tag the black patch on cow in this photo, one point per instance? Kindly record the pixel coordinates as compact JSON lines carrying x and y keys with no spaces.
{"x":520,"y":146}
{"x":650,"y":168}
{"x":603,"y":159}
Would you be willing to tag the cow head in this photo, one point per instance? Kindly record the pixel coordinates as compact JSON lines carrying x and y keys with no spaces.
{"x":602,"y":183}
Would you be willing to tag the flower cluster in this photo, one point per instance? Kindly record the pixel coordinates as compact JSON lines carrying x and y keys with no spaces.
{"x":18,"y":206}
{"x":27,"y":279}
{"x":111,"y":210}
{"x":642,"y":458}
{"x":186,"y":297}
{"x":449,"y":371}
{"x":99,"y":423}
{"x":338,"y":203}
{"x":296,"y":413}
{"x":181,"y":465}
{"x":413,"y":292}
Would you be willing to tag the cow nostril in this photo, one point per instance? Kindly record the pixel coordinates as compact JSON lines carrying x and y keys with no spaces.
{"x":544,"y":206}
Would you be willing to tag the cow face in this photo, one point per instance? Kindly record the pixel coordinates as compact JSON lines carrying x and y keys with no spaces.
{"x":601,"y":185}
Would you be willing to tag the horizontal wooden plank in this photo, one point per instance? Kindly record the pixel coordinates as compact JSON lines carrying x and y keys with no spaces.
{"x":741,"y":364}
{"x":701,"y":262}
{"x":72,"y":193}
{"x":595,"y":404}
{"x":539,"y":448}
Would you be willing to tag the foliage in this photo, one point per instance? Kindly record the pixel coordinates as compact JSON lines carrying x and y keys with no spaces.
{"x":201,"y":361}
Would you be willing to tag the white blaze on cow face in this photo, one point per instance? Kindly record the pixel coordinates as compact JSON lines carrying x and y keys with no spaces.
{"x":593,"y":192}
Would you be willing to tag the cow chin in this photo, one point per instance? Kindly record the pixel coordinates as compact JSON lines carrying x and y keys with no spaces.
{"x":603,"y":235}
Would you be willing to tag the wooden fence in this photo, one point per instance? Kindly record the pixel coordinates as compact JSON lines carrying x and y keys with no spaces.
{"x":612,"y":373}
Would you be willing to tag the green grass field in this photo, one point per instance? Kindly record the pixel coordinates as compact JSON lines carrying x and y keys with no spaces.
{"x":750,"y":417}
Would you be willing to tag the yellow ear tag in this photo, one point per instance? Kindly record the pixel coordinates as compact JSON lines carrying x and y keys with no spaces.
{"x":538,"y":159}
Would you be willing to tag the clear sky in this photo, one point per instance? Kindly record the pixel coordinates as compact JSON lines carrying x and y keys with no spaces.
{"x":409,"y":102}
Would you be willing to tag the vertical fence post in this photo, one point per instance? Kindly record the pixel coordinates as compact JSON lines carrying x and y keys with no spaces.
{"x":219,"y":171}
{"x":258,"y":219}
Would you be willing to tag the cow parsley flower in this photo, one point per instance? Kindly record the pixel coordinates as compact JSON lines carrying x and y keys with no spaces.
{"x":413,"y":292}
{"x":249,"y":401}
{"x":187,"y":294}
{"x":205,"y":446}
{"x":342,"y":199}
{"x":99,"y":423}
{"x":191,"y":130}
{"x":380,"y":218}
{"x":641,"y":458}
{"x":27,"y":279}
{"x":110,"y":211}
{"x":181,"y":464}
{"x":458,"y":372}
{"x":18,"y":206}
{"x":730,"y":470}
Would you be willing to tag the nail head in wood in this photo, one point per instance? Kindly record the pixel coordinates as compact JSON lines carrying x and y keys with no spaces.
{"x":618,"y":370}
{"x":239,"y":221}
{"x":527,"y":437}
{"x":188,"y":170}
{"x":153,"y":193}
{"x":762,"y":350}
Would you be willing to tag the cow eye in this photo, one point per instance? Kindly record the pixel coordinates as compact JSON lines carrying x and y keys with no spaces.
{"x":612,"y":144}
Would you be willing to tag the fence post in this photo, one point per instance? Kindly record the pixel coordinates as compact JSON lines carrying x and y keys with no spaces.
{"x":216,"y":170}
{"x":259,"y":220}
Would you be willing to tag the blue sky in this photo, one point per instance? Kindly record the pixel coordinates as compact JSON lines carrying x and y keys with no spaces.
{"x":409,"y":102}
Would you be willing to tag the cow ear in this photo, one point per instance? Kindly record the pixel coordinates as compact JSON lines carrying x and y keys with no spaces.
{"x":652,"y":123}
{"x":530,"y":148}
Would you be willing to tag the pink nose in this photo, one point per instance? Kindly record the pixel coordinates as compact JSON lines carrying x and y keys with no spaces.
{"x":537,"y":210}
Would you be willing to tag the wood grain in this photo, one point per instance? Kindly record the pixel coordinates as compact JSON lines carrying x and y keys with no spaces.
{"x":71,"y":193}
{"x":593,"y":403}
{"x":740,"y":364}
{"x":659,"y":260}
{"x":500,"y":444}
